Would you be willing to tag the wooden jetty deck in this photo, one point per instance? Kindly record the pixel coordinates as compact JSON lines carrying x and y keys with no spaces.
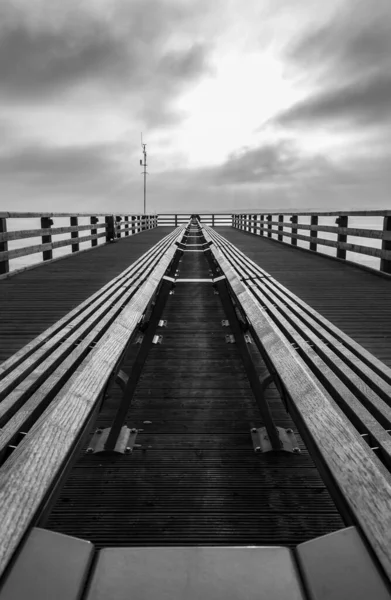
{"x":239,"y":432}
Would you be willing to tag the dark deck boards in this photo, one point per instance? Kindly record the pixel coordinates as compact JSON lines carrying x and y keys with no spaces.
{"x":33,"y":300}
{"x":195,"y":480}
{"x":356,"y":301}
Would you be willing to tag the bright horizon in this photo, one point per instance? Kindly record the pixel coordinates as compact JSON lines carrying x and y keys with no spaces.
{"x":264,"y":106}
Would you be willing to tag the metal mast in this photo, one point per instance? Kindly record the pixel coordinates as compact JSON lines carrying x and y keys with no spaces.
{"x":145,"y":172}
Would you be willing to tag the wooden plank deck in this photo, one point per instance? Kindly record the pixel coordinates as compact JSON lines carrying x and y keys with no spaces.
{"x":356,"y":301}
{"x":33,"y":300}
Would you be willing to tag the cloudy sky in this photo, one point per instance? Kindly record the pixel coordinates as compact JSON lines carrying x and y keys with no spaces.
{"x":255,"y":104}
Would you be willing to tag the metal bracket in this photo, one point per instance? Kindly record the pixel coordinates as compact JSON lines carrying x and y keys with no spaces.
{"x":225,"y":323}
{"x":248,"y":339}
{"x":230,"y":339}
{"x":162,"y":323}
{"x":125,"y":442}
{"x":139,"y":339}
{"x":122,"y":379}
{"x":261,"y":442}
{"x":157,"y":339}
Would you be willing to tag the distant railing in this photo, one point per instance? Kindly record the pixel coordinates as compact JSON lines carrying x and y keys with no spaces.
{"x":280,"y":226}
{"x":110,"y":227}
{"x":215,"y":220}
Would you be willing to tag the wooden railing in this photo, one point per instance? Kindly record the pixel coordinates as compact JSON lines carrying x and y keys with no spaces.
{"x":276,"y":224}
{"x":213,"y":220}
{"x":101,"y":225}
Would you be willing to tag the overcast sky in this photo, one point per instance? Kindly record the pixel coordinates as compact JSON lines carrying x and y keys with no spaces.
{"x":243,"y":104}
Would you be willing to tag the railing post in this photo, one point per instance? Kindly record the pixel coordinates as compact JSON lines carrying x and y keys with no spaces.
{"x":126,"y":226}
{"x":294,"y":229}
{"x":93,"y":221}
{"x":213,"y":220}
{"x":4,"y":264}
{"x":46,"y":223}
{"x":133,"y":225}
{"x":262,"y":224}
{"x":74,"y":234}
{"x":255,"y":225}
{"x":118,"y":220}
{"x":110,"y":230}
{"x":341,"y":221}
{"x":313,"y":233}
{"x":176,"y":220}
{"x":385,"y":263}
{"x":269,"y":226}
{"x":280,"y":227}
{"x":138,"y":223}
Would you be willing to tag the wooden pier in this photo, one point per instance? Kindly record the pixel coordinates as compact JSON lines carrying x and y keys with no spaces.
{"x":241,"y":386}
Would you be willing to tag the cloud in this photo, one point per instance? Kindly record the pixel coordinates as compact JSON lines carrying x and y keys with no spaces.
{"x":347,"y":63}
{"x":123,"y":51}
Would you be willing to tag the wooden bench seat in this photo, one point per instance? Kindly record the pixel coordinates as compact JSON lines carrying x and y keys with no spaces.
{"x":336,"y":566}
{"x":338,"y":396}
{"x":52,"y":389}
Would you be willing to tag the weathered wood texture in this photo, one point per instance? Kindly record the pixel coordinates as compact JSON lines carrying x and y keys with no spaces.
{"x":362,"y":478}
{"x":33,"y":300}
{"x":356,"y":301}
{"x":32,"y":469}
{"x":195,"y":480}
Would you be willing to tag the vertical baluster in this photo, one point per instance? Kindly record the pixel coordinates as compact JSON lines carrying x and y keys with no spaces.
{"x":269,"y":226}
{"x":4,"y":262}
{"x":262,"y":224}
{"x":74,"y":234}
{"x":313,"y":233}
{"x":94,"y":231}
{"x":280,"y":228}
{"x":294,"y":230}
{"x":126,"y":226}
{"x":385,"y":263}
{"x":46,"y":223}
{"x":342,"y":221}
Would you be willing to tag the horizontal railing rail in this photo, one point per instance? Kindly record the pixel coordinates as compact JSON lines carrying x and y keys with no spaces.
{"x":278,"y":226}
{"x":338,"y":392}
{"x":213,"y":220}
{"x":112,"y":227}
{"x":51,"y":389}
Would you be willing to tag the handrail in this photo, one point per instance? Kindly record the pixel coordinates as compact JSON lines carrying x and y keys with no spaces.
{"x":263,"y":224}
{"x":114,"y":226}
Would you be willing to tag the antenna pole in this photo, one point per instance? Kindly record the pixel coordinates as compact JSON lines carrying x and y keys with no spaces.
{"x":145,"y":172}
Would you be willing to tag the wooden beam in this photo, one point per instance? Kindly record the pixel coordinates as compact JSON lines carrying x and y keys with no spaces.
{"x":4,"y":264}
{"x":47,"y":248}
{"x":29,"y":233}
{"x":280,"y":227}
{"x":314,"y":233}
{"x":341,"y":238}
{"x":385,"y":263}
{"x":94,"y":231}
{"x":294,"y":220}
{"x":74,"y":234}
{"x":269,"y":226}
{"x":377,"y":252}
{"x":47,"y":253}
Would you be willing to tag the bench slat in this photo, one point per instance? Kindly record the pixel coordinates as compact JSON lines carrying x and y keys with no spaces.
{"x":33,"y":467}
{"x":365,"y":486}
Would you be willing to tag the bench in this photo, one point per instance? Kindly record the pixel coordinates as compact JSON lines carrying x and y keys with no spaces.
{"x":51,"y":389}
{"x":338,"y":393}
{"x":336,"y":566}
